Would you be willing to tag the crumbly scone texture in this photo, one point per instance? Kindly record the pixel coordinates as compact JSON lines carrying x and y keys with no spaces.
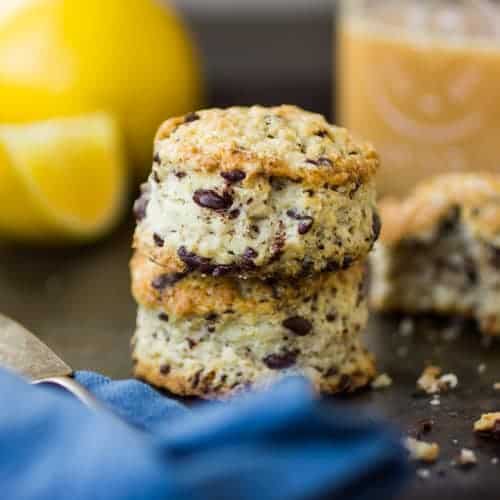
{"x":257,"y":192}
{"x":215,"y":349}
{"x":440,"y":250}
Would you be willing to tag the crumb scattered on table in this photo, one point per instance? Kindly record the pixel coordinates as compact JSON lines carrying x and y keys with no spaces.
{"x":382,"y":382}
{"x":481,"y":368}
{"x":432,"y":382}
{"x":423,"y":473}
{"x":435,"y":401}
{"x":422,"y":450}
{"x":466,"y":458}
{"x":488,"y":425}
{"x":496,"y":386}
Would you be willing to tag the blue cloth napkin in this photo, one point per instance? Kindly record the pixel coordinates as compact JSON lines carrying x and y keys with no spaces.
{"x":282,"y":444}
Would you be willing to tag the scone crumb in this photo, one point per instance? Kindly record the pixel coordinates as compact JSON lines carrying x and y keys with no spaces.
{"x":382,"y":382}
{"x":488,"y":425}
{"x":466,"y":458}
{"x":421,"y":450}
{"x":432,"y":382}
{"x":496,"y":386}
{"x":423,"y":473}
{"x":481,"y":368}
{"x":435,"y":401}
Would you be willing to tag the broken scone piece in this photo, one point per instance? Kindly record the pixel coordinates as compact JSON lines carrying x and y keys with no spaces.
{"x":439,"y":250}
{"x":488,"y":425}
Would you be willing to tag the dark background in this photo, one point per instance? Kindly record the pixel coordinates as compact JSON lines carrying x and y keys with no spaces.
{"x":78,"y":300}
{"x":267,"y":55}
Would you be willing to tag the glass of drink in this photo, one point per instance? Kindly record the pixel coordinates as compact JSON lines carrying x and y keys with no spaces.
{"x":421,"y":80}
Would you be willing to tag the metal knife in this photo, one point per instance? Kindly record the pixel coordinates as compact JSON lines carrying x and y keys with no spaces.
{"x":26,"y":355}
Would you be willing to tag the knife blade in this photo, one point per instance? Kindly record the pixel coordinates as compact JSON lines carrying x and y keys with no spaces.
{"x":23,"y":353}
{"x":26,"y":355}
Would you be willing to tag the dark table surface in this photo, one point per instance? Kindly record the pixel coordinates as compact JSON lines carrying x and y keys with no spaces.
{"x":78,"y":300}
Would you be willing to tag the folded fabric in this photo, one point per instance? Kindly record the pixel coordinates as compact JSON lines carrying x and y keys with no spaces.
{"x":275,"y":445}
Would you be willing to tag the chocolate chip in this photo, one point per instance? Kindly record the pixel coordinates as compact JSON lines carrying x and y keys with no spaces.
{"x":249,"y":253}
{"x":363,"y":288}
{"x":194,"y":261}
{"x":191,"y":117}
{"x":470,"y":270}
{"x":191,"y":342}
{"x":180,"y":175}
{"x":344,"y":382}
{"x":298,"y":325}
{"x":376,"y":225}
{"x":156,"y":158}
{"x":305,"y":226}
{"x":234,"y":214}
{"x":196,"y":378}
{"x":233,"y":176}
{"x":163,"y":317}
{"x":142,"y":202}
{"x":224,"y":269}
{"x":331,"y":372}
{"x":326,"y":162}
{"x":159,"y":242}
{"x":354,"y":190}
{"x":494,"y":257}
{"x":321,"y":161}
{"x":347,"y":262}
{"x":164,"y":369}
{"x":282,"y":360}
{"x":211,"y":316}
{"x":306,"y":220}
{"x":293,"y":214}
{"x":156,"y":177}
{"x":330,"y":317}
{"x":277,"y":183}
{"x":449,"y":223}
{"x":168,"y":279}
{"x":321,"y":133}
{"x":208,"y":198}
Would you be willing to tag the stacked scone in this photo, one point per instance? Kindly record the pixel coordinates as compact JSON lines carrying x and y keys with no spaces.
{"x":253,"y":231}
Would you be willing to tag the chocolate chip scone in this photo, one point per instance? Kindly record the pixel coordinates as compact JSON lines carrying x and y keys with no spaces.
{"x":257,"y":192}
{"x":440,"y":250}
{"x":212,"y":337}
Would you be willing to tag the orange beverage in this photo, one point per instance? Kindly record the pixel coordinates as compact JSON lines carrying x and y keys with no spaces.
{"x":421,"y":80}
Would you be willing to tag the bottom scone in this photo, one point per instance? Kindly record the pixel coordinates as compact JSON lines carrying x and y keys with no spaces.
{"x":212,"y":337}
{"x":440,"y":251}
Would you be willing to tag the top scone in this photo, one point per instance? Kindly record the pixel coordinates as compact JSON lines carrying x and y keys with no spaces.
{"x":257,"y":192}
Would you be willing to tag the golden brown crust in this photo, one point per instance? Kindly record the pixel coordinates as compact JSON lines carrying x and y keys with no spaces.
{"x":478,"y":194}
{"x":488,"y":422}
{"x":353,"y":377}
{"x":305,"y":146}
{"x":195,"y":295}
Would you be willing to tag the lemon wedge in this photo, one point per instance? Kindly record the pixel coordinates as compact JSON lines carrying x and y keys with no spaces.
{"x":133,"y":58}
{"x":61,"y":180}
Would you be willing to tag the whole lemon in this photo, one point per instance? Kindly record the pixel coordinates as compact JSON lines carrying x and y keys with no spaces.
{"x":133,"y":58}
